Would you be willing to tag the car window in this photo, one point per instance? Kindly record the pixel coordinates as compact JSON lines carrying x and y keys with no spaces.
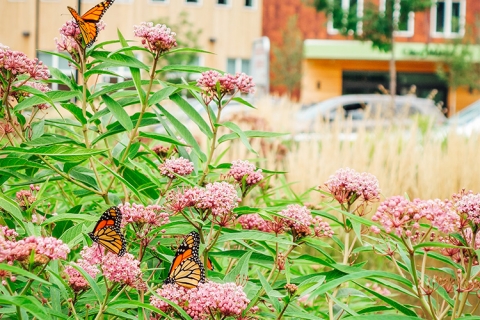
{"x":354,"y":110}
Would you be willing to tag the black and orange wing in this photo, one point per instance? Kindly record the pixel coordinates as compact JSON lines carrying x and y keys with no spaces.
{"x":107,"y":232}
{"x":87,"y":23}
{"x":187,"y":270}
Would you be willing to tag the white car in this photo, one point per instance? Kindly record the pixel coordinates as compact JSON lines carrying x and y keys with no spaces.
{"x":466,"y":121}
{"x":366,"y":110}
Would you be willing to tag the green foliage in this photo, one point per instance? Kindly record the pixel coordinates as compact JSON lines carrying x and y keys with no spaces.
{"x":115,"y":145}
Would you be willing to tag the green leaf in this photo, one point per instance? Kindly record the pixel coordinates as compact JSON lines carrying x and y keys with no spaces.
{"x":120,"y":114}
{"x":161,"y":95}
{"x":38,"y":129}
{"x":124,"y":181}
{"x":15,"y":162}
{"x":55,"y":96}
{"x":240,"y":270}
{"x":117,"y":86}
{"x":75,"y":111}
{"x":134,"y":70}
{"x":64,"y":79}
{"x":30,"y":304}
{"x":272,"y":295}
{"x":91,"y":282}
{"x":70,"y":217}
{"x":251,"y":134}
{"x":253,"y":235}
{"x":22,"y":272}
{"x":184,"y":68}
{"x":57,"y":152}
{"x":232,"y":126}
{"x":119,"y":59}
{"x":184,"y":133}
{"x":132,"y":304}
{"x":161,"y":137}
{"x":48,"y":140}
{"x":392,"y":302}
{"x":12,"y":208}
{"x":192,"y":114}
{"x":73,"y":235}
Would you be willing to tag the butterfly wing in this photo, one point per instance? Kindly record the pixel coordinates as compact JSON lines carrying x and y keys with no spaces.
{"x":187,"y":270}
{"x":87,"y":23}
{"x":107,"y":232}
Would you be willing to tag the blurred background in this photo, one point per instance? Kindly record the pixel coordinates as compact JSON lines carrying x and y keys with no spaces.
{"x":306,"y":57}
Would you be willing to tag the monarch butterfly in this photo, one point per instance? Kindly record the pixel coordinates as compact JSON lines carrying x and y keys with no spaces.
{"x":107,"y":232}
{"x":187,"y":270}
{"x":87,"y":23}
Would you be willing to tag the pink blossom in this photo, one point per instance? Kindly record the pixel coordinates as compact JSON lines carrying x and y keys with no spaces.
{"x":76,"y":279}
{"x":440,"y":213}
{"x":137,"y":213}
{"x":158,"y":38}
{"x":298,"y":219}
{"x":206,"y":300}
{"x":322,"y":228}
{"x":253,"y":221}
{"x":347,"y":185}
{"x":468,"y":203}
{"x":244,"y":83}
{"x":178,"y":200}
{"x":17,"y":63}
{"x":240,"y":169}
{"x":394,"y":214}
{"x":21,"y":94}
{"x":45,"y":248}
{"x":93,"y":254}
{"x":179,"y":166}
{"x":124,"y":269}
{"x":221,"y":198}
{"x":25,"y":198}
{"x":7,"y":234}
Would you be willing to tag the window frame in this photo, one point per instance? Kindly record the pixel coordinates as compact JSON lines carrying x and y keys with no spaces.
{"x":226,"y":5}
{"x":345,"y":6}
{"x":55,"y":64}
{"x":252,"y":7}
{"x":410,"y":23}
{"x":160,"y":2}
{"x":447,"y":21}
{"x":238,"y":65}
{"x":194,"y":4}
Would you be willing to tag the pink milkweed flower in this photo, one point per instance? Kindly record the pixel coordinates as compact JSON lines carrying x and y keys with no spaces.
{"x":346,"y":185}
{"x":158,"y":38}
{"x":76,"y":279}
{"x":467,"y":203}
{"x":124,"y":269}
{"x":45,"y":248}
{"x":136,"y":213}
{"x":253,"y":221}
{"x":15,"y":63}
{"x":220,"y":198}
{"x":298,"y":218}
{"x":178,"y":200}
{"x":25,"y":198}
{"x":208,"y":299}
{"x":228,"y":84}
{"x":241,"y":169}
{"x":244,"y":83}
{"x":179,"y":166}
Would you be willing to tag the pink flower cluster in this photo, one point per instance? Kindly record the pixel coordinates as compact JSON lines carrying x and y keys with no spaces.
{"x":207,"y":300}
{"x":219,"y":198}
{"x":179,"y":166}
{"x":399,"y":215}
{"x":70,"y":37}
{"x":136,"y":213}
{"x":241,"y":169}
{"x":228,"y":84}
{"x":158,"y":38}
{"x":346,"y":185}
{"x":124,"y":269}
{"x":17,"y":63}
{"x":468,"y":203}
{"x":297,"y":218}
{"x":25,"y":198}
{"x":45,"y":248}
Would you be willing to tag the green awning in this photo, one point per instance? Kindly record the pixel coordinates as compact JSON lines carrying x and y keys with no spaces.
{"x":358,"y":50}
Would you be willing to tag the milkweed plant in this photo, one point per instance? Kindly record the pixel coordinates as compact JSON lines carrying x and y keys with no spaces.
{"x":68,"y":155}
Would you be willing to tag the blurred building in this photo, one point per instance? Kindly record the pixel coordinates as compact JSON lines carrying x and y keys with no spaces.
{"x":228,"y":27}
{"x":334,"y":64}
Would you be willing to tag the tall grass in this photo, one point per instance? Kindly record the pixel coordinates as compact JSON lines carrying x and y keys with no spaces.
{"x":415,"y":160}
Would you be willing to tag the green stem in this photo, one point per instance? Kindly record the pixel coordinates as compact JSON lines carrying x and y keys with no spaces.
{"x":101,"y":309}
{"x":421,"y":297}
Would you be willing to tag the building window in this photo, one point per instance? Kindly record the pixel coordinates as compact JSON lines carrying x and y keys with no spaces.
{"x":159,"y":1}
{"x":345,"y":15}
{"x":192,"y":1}
{"x":448,"y":18}
{"x":249,"y":3}
{"x":235,"y":65}
{"x":406,"y":20}
{"x":223,"y":2}
{"x":59,"y":63}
